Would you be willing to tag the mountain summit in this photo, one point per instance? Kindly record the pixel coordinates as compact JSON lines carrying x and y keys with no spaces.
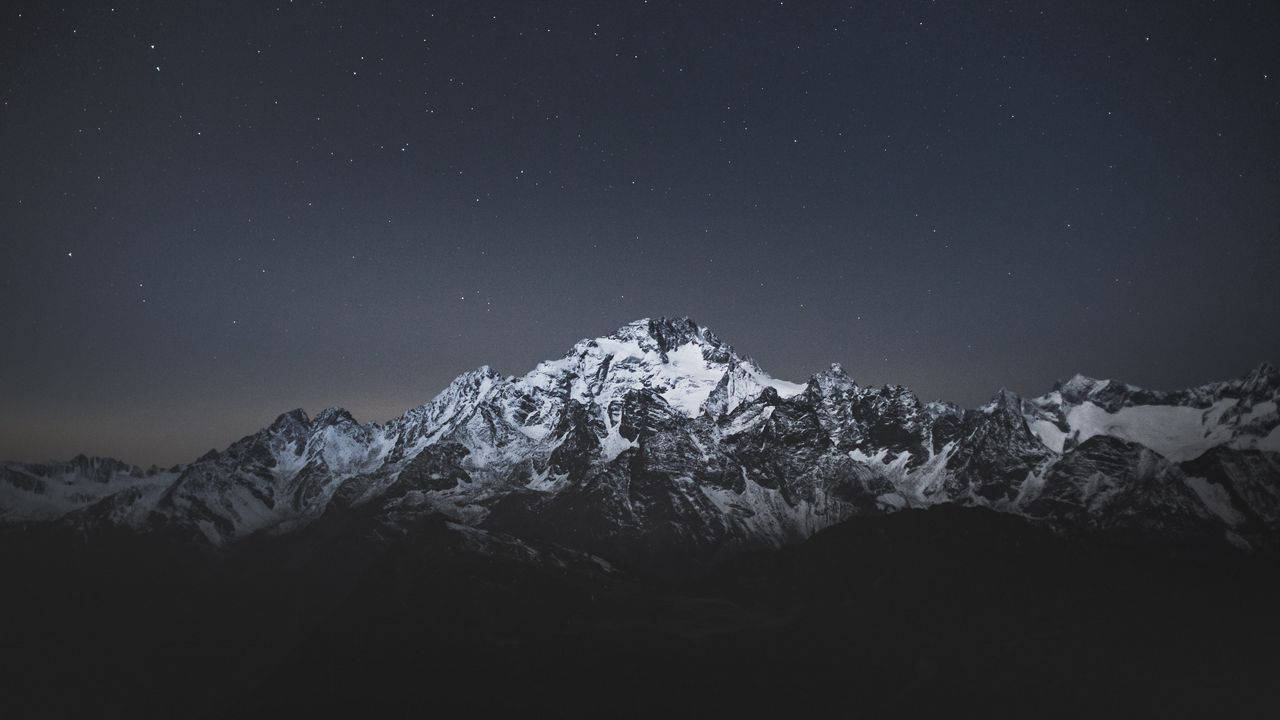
{"x":660,"y":441}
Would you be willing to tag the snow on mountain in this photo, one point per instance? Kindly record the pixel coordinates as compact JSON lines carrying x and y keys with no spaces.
{"x":1178,"y":425}
{"x":680,"y":361}
{"x":285,"y":472}
{"x":32,"y":491}
{"x":661,"y":441}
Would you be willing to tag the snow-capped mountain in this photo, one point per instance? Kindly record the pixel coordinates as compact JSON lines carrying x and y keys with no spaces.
{"x":661,"y":441}
{"x":30,"y":491}
{"x":1178,"y":425}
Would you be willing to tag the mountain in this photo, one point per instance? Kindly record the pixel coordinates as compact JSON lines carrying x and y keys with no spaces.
{"x":651,"y":525}
{"x":47,"y":492}
{"x":660,"y":447}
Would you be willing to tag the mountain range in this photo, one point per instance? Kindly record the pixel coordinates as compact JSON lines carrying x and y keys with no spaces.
{"x":660,"y":448}
{"x":653,"y":526}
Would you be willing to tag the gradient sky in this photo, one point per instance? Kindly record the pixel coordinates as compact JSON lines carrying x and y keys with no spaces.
{"x":217,"y":212}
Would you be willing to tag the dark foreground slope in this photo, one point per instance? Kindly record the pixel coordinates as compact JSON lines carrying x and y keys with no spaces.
{"x":947,"y":610}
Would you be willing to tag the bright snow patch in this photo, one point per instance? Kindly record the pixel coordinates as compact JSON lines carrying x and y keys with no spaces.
{"x":1053,"y":437}
{"x":1177,"y":432}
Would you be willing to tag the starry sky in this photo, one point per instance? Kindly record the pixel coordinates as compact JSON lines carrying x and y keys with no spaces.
{"x":216,"y":211}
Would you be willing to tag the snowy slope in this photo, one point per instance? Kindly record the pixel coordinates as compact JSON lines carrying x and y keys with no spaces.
{"x":1179,"y":425}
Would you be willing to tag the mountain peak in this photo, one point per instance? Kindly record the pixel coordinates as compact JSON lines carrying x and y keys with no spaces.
{"x":479,"y":374}
{"x":674,"y":357}
{"x":1080,"y":385}
{"x":1265,"y":374}
{"x":1005,"y":400}
{"x":465,"y":390}
{"x":333,"y":415}
{"x":297,"y":416}
{"x":666,"y":333}
{"x":833,"y":378}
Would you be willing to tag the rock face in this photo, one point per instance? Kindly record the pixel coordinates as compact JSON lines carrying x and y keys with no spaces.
{"x":661,"y":444}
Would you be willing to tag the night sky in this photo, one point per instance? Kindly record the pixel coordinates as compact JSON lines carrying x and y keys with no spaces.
{"x":217,"y":212}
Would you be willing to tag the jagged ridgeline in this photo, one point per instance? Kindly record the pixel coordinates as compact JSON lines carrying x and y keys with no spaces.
{"x":660,"y":443}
